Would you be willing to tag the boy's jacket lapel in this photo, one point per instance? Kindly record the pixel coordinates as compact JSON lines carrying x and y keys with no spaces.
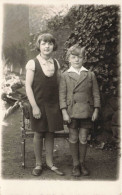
{"x":73,"y":75}
{"x":83,"y":75}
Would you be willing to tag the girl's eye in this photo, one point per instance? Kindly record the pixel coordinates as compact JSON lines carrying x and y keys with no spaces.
{"x":50,"y":43}
{"x":44,"y":43}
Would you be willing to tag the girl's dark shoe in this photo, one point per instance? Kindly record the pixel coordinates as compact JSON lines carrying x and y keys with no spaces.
{"x":84,"y":170}
{"x":76,"y":171}
{"x":37,"y":172}
{"x":56,"y":170}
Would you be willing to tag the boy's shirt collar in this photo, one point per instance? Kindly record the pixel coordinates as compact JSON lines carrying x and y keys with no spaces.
{"x":71,"y":69}
{"x":43,"y":61}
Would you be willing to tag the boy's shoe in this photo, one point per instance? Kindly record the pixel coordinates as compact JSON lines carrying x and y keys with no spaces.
{"x":76,"y":171}
{"x":37,"y":171}
{"x":84,"y":170}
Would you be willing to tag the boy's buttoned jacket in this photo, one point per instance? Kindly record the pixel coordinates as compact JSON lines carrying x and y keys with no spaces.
{"x":79,"y":96}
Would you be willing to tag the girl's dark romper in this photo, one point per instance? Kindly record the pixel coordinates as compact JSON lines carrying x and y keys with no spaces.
{"x":46,"y":93}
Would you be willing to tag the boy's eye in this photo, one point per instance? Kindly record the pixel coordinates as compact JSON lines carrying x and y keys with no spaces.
{"x":80,"y":57}
{"x":73,"y":56}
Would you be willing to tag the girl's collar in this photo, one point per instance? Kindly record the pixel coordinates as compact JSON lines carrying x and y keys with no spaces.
{"x":42,"y":60}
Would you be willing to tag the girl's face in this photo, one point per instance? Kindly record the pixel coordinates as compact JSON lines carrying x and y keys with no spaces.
{"x":46,"y":48}
{"x":76,"y":61}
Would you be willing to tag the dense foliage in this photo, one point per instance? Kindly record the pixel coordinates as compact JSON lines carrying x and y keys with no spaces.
{"x":98,"y":29}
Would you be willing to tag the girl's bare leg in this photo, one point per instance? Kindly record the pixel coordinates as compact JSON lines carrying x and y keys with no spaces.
{"x":38,"y":146}
{"x":49,"y":146}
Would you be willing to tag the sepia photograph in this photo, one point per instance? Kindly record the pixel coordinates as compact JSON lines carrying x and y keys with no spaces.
{"x":60,"y":98}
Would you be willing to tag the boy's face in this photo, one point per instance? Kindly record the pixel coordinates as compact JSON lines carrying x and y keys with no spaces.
{"x":76,"y":61}
{"x":46,"y":48}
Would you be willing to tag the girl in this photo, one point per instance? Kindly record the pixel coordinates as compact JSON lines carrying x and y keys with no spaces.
{"x":80,"y":102}
{"x":42,"y":91}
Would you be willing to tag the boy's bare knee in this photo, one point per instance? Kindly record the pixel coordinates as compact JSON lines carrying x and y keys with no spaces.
{"x":73,"y":139}
{"x":83,"y":135}
{"x":83,"y":139}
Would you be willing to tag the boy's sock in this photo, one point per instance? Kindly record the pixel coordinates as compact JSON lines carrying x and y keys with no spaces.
{"x":75,"y":153}
{"x":82,"y":153}
{"x":75,"y":156}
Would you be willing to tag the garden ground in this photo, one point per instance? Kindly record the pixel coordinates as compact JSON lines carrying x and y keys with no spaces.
{"x":103,"y":164}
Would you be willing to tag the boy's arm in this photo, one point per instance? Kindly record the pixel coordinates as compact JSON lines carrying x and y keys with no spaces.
{"x":95,"y":91}
{"x":66,"y":116}
{"x":96,"y":96}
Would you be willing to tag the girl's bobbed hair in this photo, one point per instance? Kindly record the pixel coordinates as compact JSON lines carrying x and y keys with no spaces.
{"x":75,"y":50}
{"x":46,"y":37}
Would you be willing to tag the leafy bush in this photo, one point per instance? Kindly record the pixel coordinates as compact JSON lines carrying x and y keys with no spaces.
{"x":97,"y":28}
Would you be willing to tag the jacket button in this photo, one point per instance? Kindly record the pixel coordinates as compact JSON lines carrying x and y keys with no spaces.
{"x":74,"y":102}
{"x":73,"y":92}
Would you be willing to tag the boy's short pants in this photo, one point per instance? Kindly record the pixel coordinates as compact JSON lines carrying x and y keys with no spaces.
{"x":80,"y":123}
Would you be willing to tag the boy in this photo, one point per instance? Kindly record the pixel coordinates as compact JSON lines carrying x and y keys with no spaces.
{"x":79,"y":102}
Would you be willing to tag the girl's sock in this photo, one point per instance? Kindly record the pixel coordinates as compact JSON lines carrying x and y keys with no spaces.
{"x":38,"y":145}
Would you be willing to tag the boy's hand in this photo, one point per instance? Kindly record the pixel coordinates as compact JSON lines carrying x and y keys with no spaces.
{"x":66,"y":117}
{"x":95,"y":114}
{"x":36,"y":112}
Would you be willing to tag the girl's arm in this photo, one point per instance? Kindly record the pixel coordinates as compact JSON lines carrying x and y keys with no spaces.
{"x":58,"y":71}
{"x":29,"y":80}
{"x":62,"y":99}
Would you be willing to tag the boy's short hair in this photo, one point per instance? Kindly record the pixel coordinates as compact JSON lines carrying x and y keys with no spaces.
{"x":46,"y":37}
{"x":75,"y":50}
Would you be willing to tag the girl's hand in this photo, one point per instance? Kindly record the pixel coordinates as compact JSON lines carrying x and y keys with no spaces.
{"x":66,"y":117}
{"x":95,"y":114}
{"x":36,"y":112}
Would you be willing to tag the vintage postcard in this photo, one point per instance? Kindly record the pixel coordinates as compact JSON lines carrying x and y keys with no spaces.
{"x":60,"y":97}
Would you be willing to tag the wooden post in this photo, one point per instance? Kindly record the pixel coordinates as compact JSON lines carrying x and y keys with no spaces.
{"x":23,"y":141}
